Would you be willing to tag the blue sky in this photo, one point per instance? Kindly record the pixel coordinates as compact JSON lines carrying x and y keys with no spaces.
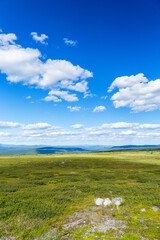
{"x":80,"y":72}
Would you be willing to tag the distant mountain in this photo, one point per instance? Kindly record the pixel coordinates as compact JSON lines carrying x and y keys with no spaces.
{"x":42,"y":149}
{"x":136,"y":146}
{"x":34,"y":149}
{"x":51,"y":150}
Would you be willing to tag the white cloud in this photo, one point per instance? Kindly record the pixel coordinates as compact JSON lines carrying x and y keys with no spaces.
{"x":61,"y":133}
{"x":157,"y":134}
{"x":118,"y":133}
{"x":77,"y":126}
{"x":74,"y":109}
{"x":125,"y":81}
{"x":114,"y":134}
{"x":9,"y":124}
{"x":6,"y":39}
{"x":136,"y":92}
{"x":149,"y":126}
{"x":70,"y":42}
{"x":99,"y":109}
{"x":4,"y":134}
{"x":25,"y":65}
{"x":52,"y":98}
{"x":49,"y":134}
{"x":119,"y":125}
{"x":79,"y":87}
{"x":37,"y":126}
{"x":40,"y":38}
{"x":88,"y":94}
{"x":98,"y":132}
{"x":104,"y":97}
{"x":62,"y":94}
{"x":125,"y":125}
{"x":128,"y":132}
{"x":28,"y":97}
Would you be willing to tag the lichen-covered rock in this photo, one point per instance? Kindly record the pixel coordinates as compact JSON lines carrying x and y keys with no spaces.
{"x":107,"y":202}
{"x":143,"y":210}
{"x":155,"y":208}
{"x":99,"y":201}
{"x":117,"y":201}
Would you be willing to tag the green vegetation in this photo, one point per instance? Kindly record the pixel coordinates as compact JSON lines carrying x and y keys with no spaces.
{"x":38,"y":193}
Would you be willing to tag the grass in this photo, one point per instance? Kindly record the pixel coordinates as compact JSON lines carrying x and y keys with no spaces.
{"x":38,"y":192}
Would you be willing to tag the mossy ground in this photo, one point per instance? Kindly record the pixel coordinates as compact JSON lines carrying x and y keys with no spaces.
{"x":38,"y":192}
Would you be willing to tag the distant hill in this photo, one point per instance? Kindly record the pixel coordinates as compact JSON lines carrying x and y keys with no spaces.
{"x":17,"y":150}
{"x":51,"y":150}
{"x":136,"y":146}
{"x":42,"y":149}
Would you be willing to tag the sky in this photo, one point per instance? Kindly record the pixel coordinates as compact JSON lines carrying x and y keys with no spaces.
{"x":80,"y":72}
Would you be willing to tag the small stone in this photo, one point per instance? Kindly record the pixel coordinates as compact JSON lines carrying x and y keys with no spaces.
{"x":143,"y":210}
{"x":141,"y":220}
{"x":99,"y":201}
{"x":155,"y":208}
{"x":107,"y":202}
{"x":117,"y":201}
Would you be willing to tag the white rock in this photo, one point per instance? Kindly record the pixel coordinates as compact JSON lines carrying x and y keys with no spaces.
{"x":155,"y":208}
{"x":107,"y":202}
{"x":117,"y":201}
{"x":143,"y":210}
{"x":99,"y":201}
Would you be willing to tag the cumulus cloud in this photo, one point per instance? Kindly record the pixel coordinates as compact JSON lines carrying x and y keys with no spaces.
{"x":128,"y":132}
{"x":9,"y":124}
{"x":118,"y":133}
{"x":112,"y":133}
{"x":4,"y":134}
{"x":98,"y":132}
{"x":25,"y":65}
{"x":74,"y":109}
{"x":125,"y":81}
{"x":40,"y":38}
{"x":152,"y":134}
{"x":99,"y":109}
{"x":116,"y":125}
{"x":149,"y":126}
{"x":136,"y":92}
{"x":6,"y":39}
{"x":79,"y":87}
{"x":125,"y":125}
{"x":37,"y":126}
{"x":88,"y":94}
{"x":54,"y":94}
{"x":77,"y":126}
{"x":119,"y":125}
{"x":48,"y":134}
{"x":52,"y":98}
{"x":119,"y":130}
{"x":70,"y":42}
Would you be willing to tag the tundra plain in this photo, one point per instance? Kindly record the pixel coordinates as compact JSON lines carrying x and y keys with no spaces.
{"x":53,"y":196}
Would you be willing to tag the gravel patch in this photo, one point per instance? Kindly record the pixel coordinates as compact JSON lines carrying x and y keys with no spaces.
{"x":97,"y":218}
